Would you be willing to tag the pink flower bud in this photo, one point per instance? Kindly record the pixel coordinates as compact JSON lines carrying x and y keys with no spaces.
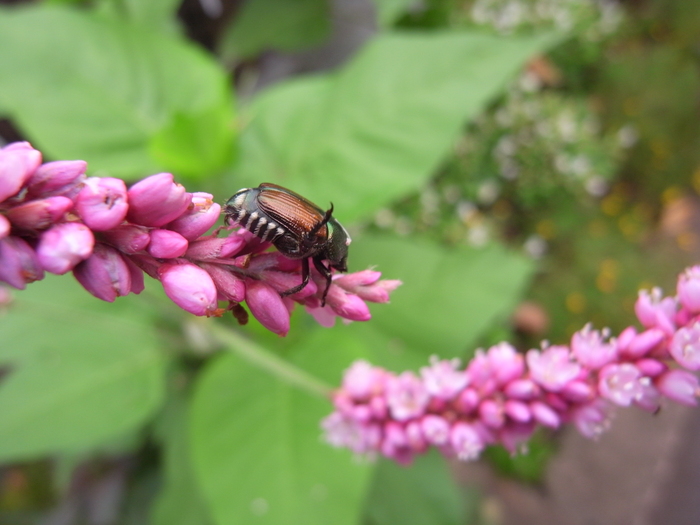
{"x":157,"y":200}
{"x":63,"y":246}
{"x":544,"y":415}
{"x":467,"y":401}
{"x":347,"y":305}
{"x":19,"y":264}
{"x":102,"y":203}
{"x":137,"y":284}
{"x":680,"y":386}
{"x":128,"y":238}
{"x":215,"y":248}
{"x":104,"y":274}
{"x":685,"y":346}
{"x":654,"y":310}
{"x":274,"y":261}
{"x":196,"y":221}
{"x":17,"y":163}
{"x":651,"y":367}
{"x":189,"y":287}
{"x":362,"y":380}
{"x":267,"y":306}
{"x":644,"y":343}
{"x":166,"y":244}
{"x":578,"y":392}
{"x":39,"y":214}
{"x":443,"y":379}
{"x":62,"y":177}
{"x":524,"y":389}
{"x":5,"y":227}
{"x":517,"y":411}
{"x":351,"y":281}
{"x":229,"y":285}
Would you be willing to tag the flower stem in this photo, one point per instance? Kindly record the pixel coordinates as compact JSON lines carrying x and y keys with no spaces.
{"x":271,"y":363}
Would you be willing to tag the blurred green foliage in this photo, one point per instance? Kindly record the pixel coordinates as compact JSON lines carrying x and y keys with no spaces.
{"x":455,"y":167}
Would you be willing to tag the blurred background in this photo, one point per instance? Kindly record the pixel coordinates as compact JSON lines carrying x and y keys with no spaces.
{"x":524,"y":166}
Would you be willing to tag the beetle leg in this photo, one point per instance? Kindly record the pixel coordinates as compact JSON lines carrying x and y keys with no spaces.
{"x":326,"y":218}
{"x":327,"y":274}
{"x":304,"y":279}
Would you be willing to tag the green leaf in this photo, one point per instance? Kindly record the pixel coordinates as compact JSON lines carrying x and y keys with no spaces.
{"x":180,"y":501}
{"x":449,"y":296}
{"x":377,"y":129}
{"x":116,"y":94}
{"x":77,"y":376}
{"x":262,"y":25}
{"x":388,"y":11}
{"x":421,"y":494}
{"x":258,"y":456}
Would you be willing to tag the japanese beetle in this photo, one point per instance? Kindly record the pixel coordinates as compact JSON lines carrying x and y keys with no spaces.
{"x":295,"y":226}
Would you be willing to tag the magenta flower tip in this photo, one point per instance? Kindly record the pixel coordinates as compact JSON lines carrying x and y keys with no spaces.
{"x":63,"y":246}
{"x":102,"y":203}
{"x":157,"y":200}
{"x":267,"y":306}
{"x":105,"y":274}
{"x":190,"y":287}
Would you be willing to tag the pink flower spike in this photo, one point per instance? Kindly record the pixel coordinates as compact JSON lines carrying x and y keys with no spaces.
{"x":157,"y":200}
{"x":685,"y":346}
{"x":166,"y":244}
{"x":283,"y":281}
{"x":592,"y":419}
{"x":63,"y":246}
{"x":465,"y":441}
{"x":442,"y":379}
{"x":680,"y":386}
{"x":196,"y":221}
{"x":104,"y":274}
{"x":620,"y":383}
{"x":267,"y":306}
{"x":505,"y":362}
{"x":102,"y":203}
{"x":552,"y":368}
{"x":689,"y":289}
{"x":19,"y":264}
{"x":591,"y":350}
{"x":406,"y":396}
{"x":62,"y":177}
{"x":5,"y":227}
{"x":189,"y":287}
{"x":362,"y":380}
{"x":347,"y":305}
{"x":128,"y":238}
{"x":39,"y":214}
{"x":17,"y":163}
{"x":229,"y":285}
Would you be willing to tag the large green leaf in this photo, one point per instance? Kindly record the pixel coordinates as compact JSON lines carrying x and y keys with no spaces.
{"x":77,"y":376}
{"x":180,"y":501}
{"x":262,"y":25}
{"x":379,"y":127}
{"x":129,"y":100}
{"x":258,"y":456}
{"x":421,"y":494}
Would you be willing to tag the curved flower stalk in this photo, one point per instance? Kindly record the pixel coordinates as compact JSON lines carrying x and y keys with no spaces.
{"x":53,"y":218}
{"x":502,"y":396}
